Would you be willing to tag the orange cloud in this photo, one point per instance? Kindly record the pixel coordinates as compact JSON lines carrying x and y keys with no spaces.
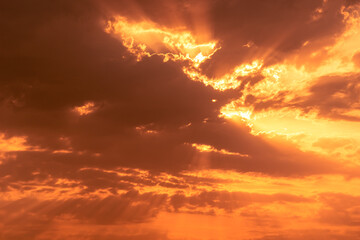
{"x":180,"y":120}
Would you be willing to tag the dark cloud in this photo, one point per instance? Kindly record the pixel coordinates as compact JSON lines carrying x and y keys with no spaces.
{"x":32,"y":218}
{"x":65,"y":59}
{"x":356,"y":59}
{"x":273,"y":29}
{"x":340,"y":209}
{"x":49,"y":219}
{"x":61,"y":58}
{"x":333,"y":97}
{"x":56,"y":56}
{"x":351,"y":2}
{"x":169,"y":151}
{"x":28,"y":218}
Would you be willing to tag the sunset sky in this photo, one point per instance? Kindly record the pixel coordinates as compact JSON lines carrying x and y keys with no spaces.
{"x":180,"y":120}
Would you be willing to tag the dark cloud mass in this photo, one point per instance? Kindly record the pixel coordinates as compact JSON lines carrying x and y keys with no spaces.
{"x":64,"y":59}
{"x":122,"y":162}
{"x":333,"y":97}
{"x":274,"y":29}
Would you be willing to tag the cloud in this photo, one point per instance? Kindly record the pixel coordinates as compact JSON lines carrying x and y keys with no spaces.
{"x":356,"y":59}
{"x":340,"y":209}
{"x":70,"y":61}
{"x":30,"y":218}
{"x":229,"y":201}
{"x":334,"y":97}
{"x":274,"y":30}
{"x":95,"y":138}
{"x":332,"y":143}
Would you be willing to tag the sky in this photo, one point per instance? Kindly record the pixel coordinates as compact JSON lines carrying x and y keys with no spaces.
{"x":180,"y":120}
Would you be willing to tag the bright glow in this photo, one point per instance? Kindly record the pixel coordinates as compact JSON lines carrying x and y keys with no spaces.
{"x":16,"y":143}
{"x":251,"y":129}
{"x":12,"y":144}
{"x":208,"y":148}
{"x":147,"y":39}
{"x":145,"y":130}
{"x":228,"y":81}
{"x":85,"y":109}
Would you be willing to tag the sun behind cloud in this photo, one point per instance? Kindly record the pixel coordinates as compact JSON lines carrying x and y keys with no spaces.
{"x":180,"y":120}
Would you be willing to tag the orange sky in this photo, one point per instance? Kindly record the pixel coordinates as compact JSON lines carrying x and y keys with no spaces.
{"x":180,"y":120}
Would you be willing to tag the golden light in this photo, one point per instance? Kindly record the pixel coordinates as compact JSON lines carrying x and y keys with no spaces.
{"x":228,"y":81}
{"x":85,"y":109}
{"x":229,"y":120}
{"x":208,"y":148}
{"x":12,"y":144}
{"x":15,"y":144}
{"x":147,"y":38}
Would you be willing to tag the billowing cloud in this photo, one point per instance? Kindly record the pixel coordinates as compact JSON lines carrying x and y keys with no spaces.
{"x":132,"y":119}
